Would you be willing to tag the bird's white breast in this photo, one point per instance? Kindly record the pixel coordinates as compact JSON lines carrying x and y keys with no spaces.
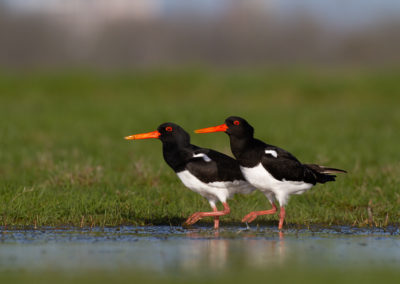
{"x":263,"y":180}
{"x":222,"y":190}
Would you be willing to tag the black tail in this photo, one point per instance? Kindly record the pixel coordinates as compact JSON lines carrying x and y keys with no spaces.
{"x":324,"y":174}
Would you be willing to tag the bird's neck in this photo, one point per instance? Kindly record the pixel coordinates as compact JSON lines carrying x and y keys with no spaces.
{"x":174,"y":156}
{"x":239,"y":145}
{"x":245,"y":151}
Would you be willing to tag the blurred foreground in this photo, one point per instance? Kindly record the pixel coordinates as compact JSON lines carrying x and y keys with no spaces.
{"x":168,"y":254}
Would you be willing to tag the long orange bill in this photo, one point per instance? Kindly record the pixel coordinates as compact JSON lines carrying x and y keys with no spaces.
{"x":222,"y":127}
{"x":153,"y":134}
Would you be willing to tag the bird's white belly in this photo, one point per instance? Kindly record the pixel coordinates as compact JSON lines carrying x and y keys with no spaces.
{"x":264,"y":181}
{"x":220,"y":190}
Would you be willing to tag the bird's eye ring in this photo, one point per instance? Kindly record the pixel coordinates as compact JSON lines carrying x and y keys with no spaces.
{"x":168,"y":128}
{"x":236,"y":122}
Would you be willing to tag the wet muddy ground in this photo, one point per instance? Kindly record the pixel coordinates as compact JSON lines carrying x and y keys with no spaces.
{"x":173,"y":249}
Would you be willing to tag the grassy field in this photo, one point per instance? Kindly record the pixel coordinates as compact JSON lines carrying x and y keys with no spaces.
{"x":63,"y":159}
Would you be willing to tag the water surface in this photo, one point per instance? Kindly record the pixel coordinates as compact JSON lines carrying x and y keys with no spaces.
{"x":173,"y":249}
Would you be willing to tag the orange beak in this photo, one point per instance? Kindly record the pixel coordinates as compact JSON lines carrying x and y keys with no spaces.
{"x":153,"y":134}
{"x":222,"y":127}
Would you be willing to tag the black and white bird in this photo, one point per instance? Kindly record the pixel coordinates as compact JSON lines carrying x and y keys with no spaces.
{"x":213,"y":175}
{"x":274,"y":171}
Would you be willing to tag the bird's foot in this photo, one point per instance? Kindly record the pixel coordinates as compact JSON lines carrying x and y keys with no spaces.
{"x":193,"y":218}
{"x":250,"y":217}
{"x":253,"y":215}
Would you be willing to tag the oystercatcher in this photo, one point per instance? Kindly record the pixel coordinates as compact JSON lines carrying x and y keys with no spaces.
{"x":213,"y":175}
{"x":274,"y":171}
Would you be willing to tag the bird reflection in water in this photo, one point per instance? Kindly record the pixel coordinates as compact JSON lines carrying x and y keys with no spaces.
{"x":221,"y":250}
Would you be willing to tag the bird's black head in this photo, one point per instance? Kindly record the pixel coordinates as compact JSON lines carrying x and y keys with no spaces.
{"x":169,"y":133}
{"x":234,"y":126}
{"x":238,"y":127}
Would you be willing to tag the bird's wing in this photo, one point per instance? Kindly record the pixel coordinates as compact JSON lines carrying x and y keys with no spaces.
{"x":284,"y":166}
{"x":210,"y":166}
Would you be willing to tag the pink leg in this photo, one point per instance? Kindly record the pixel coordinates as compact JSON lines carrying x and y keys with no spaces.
{"x":253,"y":215}
{"x":281,"y":217}
{"x":216,"y":219}
{"x":198,"y":215}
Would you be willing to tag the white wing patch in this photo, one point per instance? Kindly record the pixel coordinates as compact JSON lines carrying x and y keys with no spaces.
{"x":272,"y":153}
{"x":202,"y":155}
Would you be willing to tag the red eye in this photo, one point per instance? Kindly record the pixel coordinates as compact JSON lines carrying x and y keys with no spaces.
{"x":236,"y":122}
{"x":168,"y":128}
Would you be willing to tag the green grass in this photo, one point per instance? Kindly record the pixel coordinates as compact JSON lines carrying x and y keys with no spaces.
{"x":63,"y":159}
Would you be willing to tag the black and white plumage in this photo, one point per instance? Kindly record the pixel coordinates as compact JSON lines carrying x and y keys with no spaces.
{"x":215,"y":176}
{"x":274,"y":171}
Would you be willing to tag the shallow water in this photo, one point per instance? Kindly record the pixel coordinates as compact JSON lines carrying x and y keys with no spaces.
{"x":174,"y":249}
